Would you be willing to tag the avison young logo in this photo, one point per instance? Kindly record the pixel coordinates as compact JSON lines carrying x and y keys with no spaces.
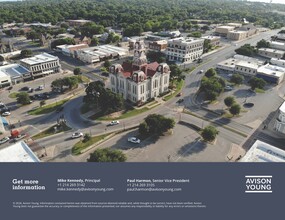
{"x":258,"y":184}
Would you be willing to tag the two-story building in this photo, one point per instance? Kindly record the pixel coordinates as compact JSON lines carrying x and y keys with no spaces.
{"x":41,"y":65}
{"x":139,"y":80}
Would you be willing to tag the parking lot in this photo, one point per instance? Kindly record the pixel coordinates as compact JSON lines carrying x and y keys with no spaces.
{"x":258,"y":109}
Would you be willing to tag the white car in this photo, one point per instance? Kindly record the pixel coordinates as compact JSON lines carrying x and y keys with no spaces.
{"x":134,"y":140}
{"x":77,"y":135}
{"x":6,"y":113}
{"x":4,"y":140}
{"x":41,"y":87}
{"x":114,"y":123}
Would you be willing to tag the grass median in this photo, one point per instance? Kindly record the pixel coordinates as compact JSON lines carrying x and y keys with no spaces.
{"x":47,"y":108}
{"x":179,"y":85}
{"x":51,"y":131}
{"x":13,"y":95}
{"x":79,"y":146}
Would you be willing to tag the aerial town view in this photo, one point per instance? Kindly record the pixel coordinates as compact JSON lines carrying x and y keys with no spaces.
{"x":142,"y":81}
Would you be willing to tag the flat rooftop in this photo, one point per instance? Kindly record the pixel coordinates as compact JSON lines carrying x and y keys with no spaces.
{"x":104,"y":50}
{"x":249,"y":64}
{"x":263,"y":152}
{"x":19,"y":152}
{"x":67,"y":46}
{"x":226,"y":27}
{"x":41,"y":58}
{"x":272,"y":50}
{"x":271,"y":70}
{"x":14,"y":70}
{"x":229,"y":62}
{"x":185,"y":40}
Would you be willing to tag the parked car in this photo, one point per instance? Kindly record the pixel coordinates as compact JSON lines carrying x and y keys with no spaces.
{"x":228,"y":88}
{"x":134,"y":140}
{"x":4,"y":140}
{"x":6,"y":113}
{"x":180,"y":100}
{"x":77,"y":135}
{"x":114,"y":123}
{"x":26,"y":88}
{"x":201,"y":71}
{"x":179,"y":94}
{"x":41,"y":87}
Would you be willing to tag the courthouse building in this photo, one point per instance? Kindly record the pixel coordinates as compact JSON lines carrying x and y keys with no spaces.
{"x":139,"y":81}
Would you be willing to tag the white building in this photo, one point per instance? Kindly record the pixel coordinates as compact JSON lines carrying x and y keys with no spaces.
{"x":69,"y":50}
{"x":16,"y":72}
{"x":277,"y":62}
{"x":99,"y":53}
{"x":19,"y":152}
{"x":41,"y":65}
{"x":263,"y":152}
{"x":270,"y":53}
{"x":277,"y":45}
{"x":240,"y":64}
{"x":271,"y":73}
{"x":184,"y":50}
{"x":5,"y":79}
{"x":280,"y":120}
{"x":139,"y":81}
{"x":247,"y":68}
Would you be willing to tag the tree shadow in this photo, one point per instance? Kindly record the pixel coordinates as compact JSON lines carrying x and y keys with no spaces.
{"x":244,"y":93}
{"x":192,"y":148}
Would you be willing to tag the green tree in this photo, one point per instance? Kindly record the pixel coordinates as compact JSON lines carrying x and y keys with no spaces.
{"x":77,"y":71}
{"x":212,"y":87}
{"x":143,"y":128}
{"x":207,"y":46}
{"x":155,"y":56}
{"x":32,"y":35}
{"x":107,"y":155}
{"x":235,"y":109}
{"x":86,"y":137}
{"x":256,"y":83}
{"x":237,"y":79}
{"x":97,"y":94}
{"x":246,"y":50}
{"x":210,"y":73}
{"x":68,"y":41}
{"x":262,"y":44}
{"x":133,"y":30}
{"x":196,"y":34}
{"x":107,"y":64}
{"x":209,"y":133}
{"x":23,"y":98}
{"x":229,"y":101}
{"x":26,"y":53}
{"x":42,"y":103}
{"x":94,"y":41}
{"x":91,"y":28}
{"x":176,"y":72}
{"x":157,"y":124}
